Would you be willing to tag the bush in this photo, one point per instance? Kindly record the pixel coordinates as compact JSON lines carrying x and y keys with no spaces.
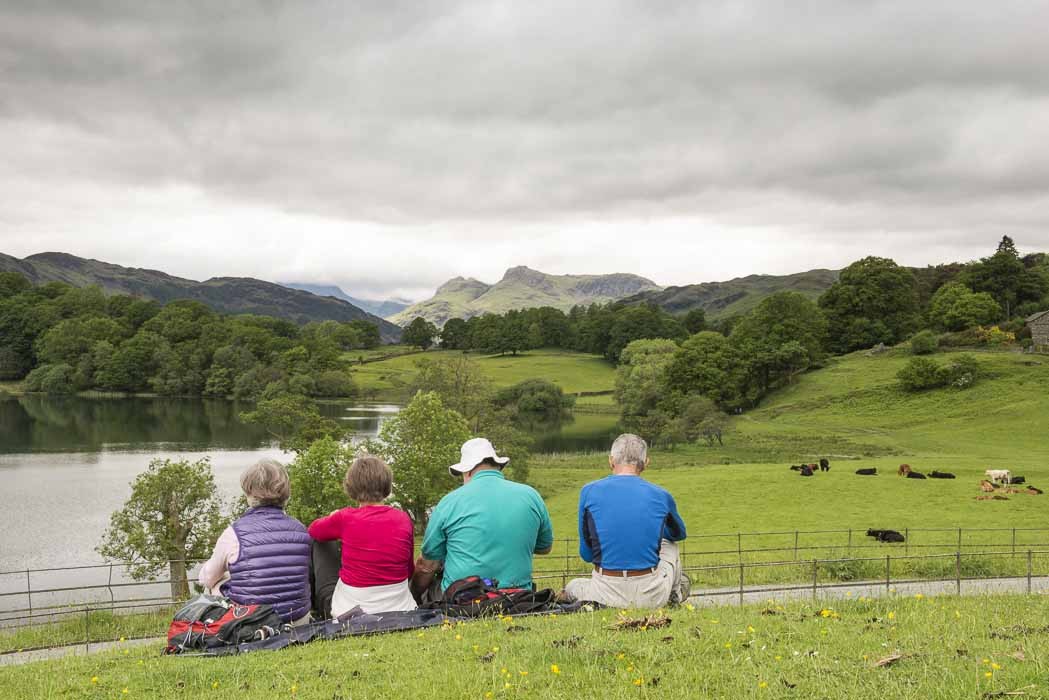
{"x":994,"y":336}
{"x":535,"y":397}
{"x":51,"y":379}
{"x":962,"y":372}
{"x":920,"y":374}
{"x":334,"y":382}
{"x":924,"y":343}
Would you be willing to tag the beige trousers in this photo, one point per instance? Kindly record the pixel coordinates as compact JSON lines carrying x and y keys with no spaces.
{"x":649,"y":591}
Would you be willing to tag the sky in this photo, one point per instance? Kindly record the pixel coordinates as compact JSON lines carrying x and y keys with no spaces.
{"x":386,"y":147}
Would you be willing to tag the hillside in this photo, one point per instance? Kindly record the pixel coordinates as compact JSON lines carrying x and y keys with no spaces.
{"x":382,"y":308}
{"x":230,"y":295}
{"x":736,"y":296}
{"x":522,"y":288}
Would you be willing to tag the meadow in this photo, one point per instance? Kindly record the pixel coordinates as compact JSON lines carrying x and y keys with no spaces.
{"x":914,"y":647}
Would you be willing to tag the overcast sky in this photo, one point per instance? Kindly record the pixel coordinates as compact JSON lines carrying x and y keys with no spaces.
{"x":387,"y":146}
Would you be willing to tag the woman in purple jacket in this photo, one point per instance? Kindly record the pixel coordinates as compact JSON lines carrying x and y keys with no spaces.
{"x":264,"y":556}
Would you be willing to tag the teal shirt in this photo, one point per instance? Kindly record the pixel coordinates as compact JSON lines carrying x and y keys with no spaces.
{"x":490,"y":528}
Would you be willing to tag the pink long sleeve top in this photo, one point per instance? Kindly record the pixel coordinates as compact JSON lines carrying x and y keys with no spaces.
{"x":378,"y":544}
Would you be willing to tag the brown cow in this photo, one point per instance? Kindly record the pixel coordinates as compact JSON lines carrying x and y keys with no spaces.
{"x":987,"y":486}
{"x":904,"y":470}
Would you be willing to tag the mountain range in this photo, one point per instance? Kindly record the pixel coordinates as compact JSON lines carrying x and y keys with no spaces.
{"x":736,"y":296}
{"x":230,"y":295}
{"x":521,"y":288}
{"x":383,"y":308}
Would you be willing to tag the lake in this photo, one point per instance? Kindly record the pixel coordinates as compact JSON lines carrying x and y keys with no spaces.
{"x":66,"y":462}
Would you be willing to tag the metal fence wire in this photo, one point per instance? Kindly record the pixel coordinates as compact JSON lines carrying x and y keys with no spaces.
{"x":727,"y":567}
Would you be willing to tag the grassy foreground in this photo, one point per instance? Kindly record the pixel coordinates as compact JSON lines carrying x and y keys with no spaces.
{"x":948,"y":648}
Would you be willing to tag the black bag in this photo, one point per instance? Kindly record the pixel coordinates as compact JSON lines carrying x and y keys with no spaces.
{"x":207,"y":622}
{"x":474,"y":596}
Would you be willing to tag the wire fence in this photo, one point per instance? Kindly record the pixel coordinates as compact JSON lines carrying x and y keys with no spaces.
{"x":93,"y":603}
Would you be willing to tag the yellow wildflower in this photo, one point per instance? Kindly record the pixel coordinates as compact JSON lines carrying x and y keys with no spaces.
{"x":458,"y":637}
{"x":554,"y":669}
{"x":892,"y":616}
{"x":638,"y":681}
{"x":94,"y":679}
{"x":214,"y":685}
{"x":763,"y":684}
{"x":996,"y":667}
{"x":124,"y":691}
{"x":988,"y":675}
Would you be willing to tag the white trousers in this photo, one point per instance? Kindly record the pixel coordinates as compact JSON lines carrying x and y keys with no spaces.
{"x":647,"y":591}
{"x":372,"y":599}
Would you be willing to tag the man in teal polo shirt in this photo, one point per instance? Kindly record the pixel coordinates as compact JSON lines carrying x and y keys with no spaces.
{"x":488,"y":527}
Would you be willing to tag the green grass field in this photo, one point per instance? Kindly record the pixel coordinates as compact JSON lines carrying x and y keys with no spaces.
{"x":947,"y":648}
{"x":573,"y":371}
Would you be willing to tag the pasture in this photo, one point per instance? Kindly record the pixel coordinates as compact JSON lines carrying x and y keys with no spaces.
{"x":916,"y":647}
{"x":573,"y":371}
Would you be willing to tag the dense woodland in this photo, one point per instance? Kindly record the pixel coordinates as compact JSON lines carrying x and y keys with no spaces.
{"x":63,"y":339}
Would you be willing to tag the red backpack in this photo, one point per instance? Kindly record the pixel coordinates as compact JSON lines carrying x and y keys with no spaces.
{"x":474,"y":596}
{"x":211,"y":621}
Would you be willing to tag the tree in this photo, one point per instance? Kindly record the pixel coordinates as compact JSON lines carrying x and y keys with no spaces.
{"x":173,"y":516}
{"x":455,"y":335}
{"x":293,"y":420}
{"x":954,"y":307}
{"x":419,"y":443}
{"x":924,"y":343}
{"x":535,"y":398}
{"x":459,"y":382}
{"x":1005,"y":277}
{"x":419,"y":333}
{"x":874,"y":301}
{"x":641,"y":377}
{"x":699,"y":417}
{"x":316,"y":477}
{"x":709,"y":365}
{"x":514,"y":333}
{"x":695,"y":320}
{"x":640,"y":322}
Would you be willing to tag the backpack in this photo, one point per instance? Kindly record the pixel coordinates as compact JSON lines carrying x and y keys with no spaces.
{"x":208,"y":621}
{"x":474,"y":596}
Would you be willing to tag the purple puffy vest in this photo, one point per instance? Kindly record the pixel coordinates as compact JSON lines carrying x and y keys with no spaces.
{"x":273,"y":565}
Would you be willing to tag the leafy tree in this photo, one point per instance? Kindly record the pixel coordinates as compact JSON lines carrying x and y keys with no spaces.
{"x":955,"y":307}
{"x":537,"y":398}
{"x":71,"y":338}
{"x":707,"y":364}
{"x":419,"y":443}
{"x":514,"y":335}
{"x":874,"y":301}
{"x":334,"y":383}
{"x":173,"y":517}
{"x":368,"y":333}
{"x":641,"y":378}
{"x":293,"y":420}
{"x":640,"y":322}
{"x":13,"y":284}
{"x":51,"y":379}
{"x":695,"y":320}
{"x":455,"y":335}
{"x":419,"y":333}
{"x":460,"y":383}
{"x":316,"y":477}
{"x":699,"y":417}
{"x":1005,"y":277}
{"x":924,"y":343}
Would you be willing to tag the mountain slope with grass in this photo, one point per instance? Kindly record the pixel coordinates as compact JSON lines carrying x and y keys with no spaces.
{"x":230,"y":295}
{"x":736,"y":296}
{"x":522,"y":288}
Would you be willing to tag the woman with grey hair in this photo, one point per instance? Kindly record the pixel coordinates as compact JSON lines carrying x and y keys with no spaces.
{"x":264,"y":556}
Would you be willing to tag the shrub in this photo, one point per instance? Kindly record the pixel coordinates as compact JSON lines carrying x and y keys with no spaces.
{"x":994,"y":336}
{"x":962,"y":372}
{"x":920,"y":374}
{"x":334,"y":382}
{"x":924,"y":343}
{"x":51,"y":379}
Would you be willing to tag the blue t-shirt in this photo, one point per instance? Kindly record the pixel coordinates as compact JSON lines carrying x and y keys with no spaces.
{"x":622,"y":519}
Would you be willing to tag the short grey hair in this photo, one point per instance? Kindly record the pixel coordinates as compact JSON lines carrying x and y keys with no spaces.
{"x":266,"y":483}
{"x":629,"y":449}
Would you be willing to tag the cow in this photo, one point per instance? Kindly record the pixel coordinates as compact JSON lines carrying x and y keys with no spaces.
{"x":1033,"y":491}
{"x":995,"y":497}
{"x":867,"y":472}
{"x":886,"y":535}
{"x":915,"y":475}
{"x":1001,"y":476}
{"x":1018,"y":480}
{"x":904,"y":470}
{"x":806,"y":470}
{"x":796,"y":467}
{"x":824,"y":464}
{"x":986,"y":486}
{"x":941,"y":475}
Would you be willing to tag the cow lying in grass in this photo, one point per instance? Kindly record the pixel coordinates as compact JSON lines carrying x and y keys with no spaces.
{"x":915,"y":475}
{"x":941,"y":475}
{"x":986,"y":486}
{"x":867,"y":472}
{"x":885,"y":535}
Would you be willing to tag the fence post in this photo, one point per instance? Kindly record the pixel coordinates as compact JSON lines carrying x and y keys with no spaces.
{"x":815,"y":577}
{"x":741,"y":583}
{"x":1028,"y":571}
{"x":959,"y":539}
{"x":739,"y":546}
{"x":886,"y":573}
{"x":849,"y":548}
{"x":795,"y":545}
{"x":112,"y":597}
{"x":958,"y":571}
{"x":87,"y":629}
{"x":1014,"y":541}
{"x":29,"y":592}
{"x":906,"y":541}
{"x":564,"y":571}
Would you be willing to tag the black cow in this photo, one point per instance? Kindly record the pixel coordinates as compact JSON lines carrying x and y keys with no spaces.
{"x":867,"y":472}
{"x":915,"y":475}
{"x":940,"y":475}
{"x":1018,"y":480}
{"x":885,"y":535}
{"x":796,"y":468}
{"x":806,"y":470}
{"x":824,"y":464}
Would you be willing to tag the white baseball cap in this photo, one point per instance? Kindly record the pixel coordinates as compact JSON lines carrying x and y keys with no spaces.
{"x":473,"y":453}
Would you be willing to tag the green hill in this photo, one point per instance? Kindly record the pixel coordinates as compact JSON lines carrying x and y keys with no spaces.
{"x":736,"y":296}
{"x":231,"y":295}
{"x":521,"y":288}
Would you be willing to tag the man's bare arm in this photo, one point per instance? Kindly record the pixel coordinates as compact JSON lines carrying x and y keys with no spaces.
{"x":425,"y":572}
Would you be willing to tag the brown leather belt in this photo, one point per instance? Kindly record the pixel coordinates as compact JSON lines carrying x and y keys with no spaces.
{"x":626,"y":573}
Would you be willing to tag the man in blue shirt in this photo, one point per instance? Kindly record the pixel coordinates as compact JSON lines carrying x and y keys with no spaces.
{"x":629,"y":529}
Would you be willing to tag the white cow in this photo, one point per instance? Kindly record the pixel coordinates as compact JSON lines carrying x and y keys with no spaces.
{"x":1001,"y":476}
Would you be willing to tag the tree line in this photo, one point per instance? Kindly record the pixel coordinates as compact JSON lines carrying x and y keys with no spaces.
{"x":62,"y":339}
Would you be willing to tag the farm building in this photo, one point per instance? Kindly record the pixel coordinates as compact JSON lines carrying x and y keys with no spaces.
{"x":1039,"y":325}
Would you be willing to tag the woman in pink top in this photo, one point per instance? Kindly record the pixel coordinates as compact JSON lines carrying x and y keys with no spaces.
{"x":377,"y":543}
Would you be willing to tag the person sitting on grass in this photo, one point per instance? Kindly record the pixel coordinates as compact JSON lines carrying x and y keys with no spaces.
{"x":264,"y":556}
{"x":488,"y":527}
{"x":378,"y":544}
{"x":629,"y":529}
